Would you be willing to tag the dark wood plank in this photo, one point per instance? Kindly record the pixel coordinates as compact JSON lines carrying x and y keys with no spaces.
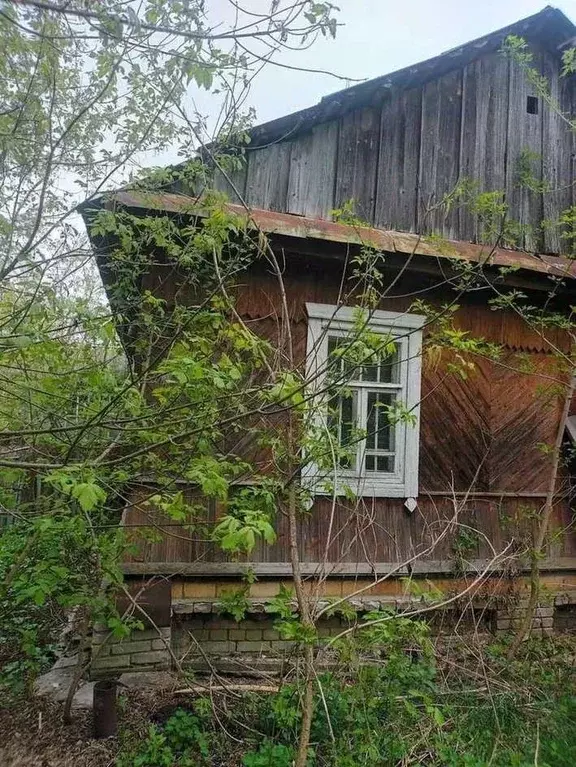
{"x":568,"y":102}
{"x":472,"y":147}
{"x":312,"y":172}
{"x":357,"y":161}
{"x":440,"y":154}
{"x":557,"y":161}
{"x":232,"y":184}
{"x":267,"y":177}
{"x":493,"y":121}
{"x":397,"y":178}
{"x":484,"y":135}
{"x":524,"y":157}
{"x":361,"y":534}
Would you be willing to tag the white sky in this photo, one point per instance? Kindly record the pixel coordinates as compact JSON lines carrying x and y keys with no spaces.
{"x":380,"y":36}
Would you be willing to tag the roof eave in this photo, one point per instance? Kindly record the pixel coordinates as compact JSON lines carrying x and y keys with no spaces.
{"x":301,"y":228}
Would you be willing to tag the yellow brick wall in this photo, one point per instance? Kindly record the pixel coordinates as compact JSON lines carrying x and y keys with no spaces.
{"x":391,"y":587}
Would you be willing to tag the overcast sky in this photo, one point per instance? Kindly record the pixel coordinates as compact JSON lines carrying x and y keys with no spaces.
{"x":380,"y":36}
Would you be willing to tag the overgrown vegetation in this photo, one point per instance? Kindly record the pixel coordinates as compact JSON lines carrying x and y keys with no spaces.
{"x":412,"y":708}
{"x":91,"y":425}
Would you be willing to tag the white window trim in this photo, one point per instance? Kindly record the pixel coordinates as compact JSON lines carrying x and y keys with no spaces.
{"x":323,"y":318}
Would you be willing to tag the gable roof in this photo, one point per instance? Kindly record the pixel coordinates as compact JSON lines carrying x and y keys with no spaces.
{"x":549,"y":27}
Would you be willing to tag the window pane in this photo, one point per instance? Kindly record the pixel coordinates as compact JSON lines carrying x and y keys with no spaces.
{"x":385,"y":463}
{"x":370,"y":373}
{"x":390,"y":368}
{"x":380,"y":442}
{"x":346,"y":423}
{"x":342,"y":424}
{"x":371,"y":422}
{"x":334,"y":361}
{"x":341,"y":368}
{"x":379,"y":432}
{"x":387,"y":370}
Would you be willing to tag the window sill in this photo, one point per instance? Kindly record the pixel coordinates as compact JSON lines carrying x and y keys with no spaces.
{"x":365,"y":488}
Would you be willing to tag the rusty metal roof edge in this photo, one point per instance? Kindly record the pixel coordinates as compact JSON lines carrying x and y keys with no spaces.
{"x":391,"y":241}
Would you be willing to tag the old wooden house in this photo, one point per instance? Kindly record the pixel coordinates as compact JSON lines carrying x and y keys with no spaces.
{"x":399,"y":146}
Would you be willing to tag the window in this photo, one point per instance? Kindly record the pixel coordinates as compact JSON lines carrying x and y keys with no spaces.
{"x":361,"y":390}
{"x":532,"y":105}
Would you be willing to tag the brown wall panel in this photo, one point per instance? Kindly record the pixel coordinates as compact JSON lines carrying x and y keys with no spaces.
{"x":455,"y":437}
{"x":524,"y":416}
{"x":481,"y":433}
{"x":369,"y":531}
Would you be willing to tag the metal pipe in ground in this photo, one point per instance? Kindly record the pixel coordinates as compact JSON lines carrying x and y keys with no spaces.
{"x":105,"y":712}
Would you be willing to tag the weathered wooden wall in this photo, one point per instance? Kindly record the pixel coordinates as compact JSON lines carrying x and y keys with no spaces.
{"x":399,"y":157}
{"x":375,"y":531}
{"x":482,"y":434}
{"x":474,"y":432}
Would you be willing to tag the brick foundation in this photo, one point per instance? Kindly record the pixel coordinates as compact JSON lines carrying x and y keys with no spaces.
{"x":199,"y":634}
{"x":510,"y":618}
{"x":565,"y":619}
{"x":147,"y":650}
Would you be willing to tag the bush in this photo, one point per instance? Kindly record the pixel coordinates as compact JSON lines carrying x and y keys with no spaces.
{"x":181,"y":742}
{"x":269,"y":755}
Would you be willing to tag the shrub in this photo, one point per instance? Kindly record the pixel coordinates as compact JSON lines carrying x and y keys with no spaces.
{"x":269,"y":755}
{"x":181,"y":742}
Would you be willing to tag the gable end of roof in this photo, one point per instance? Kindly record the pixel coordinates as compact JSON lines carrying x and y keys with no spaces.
{"x":549,"y":27}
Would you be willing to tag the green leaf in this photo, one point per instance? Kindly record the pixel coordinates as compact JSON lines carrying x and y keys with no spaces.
{"x":89,"y":495}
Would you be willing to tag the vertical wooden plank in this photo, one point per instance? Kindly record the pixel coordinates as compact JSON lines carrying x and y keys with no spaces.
{"x":483,"y":136}
{"x":494,"y":73}
{"x":568,"y":97}
{"x":429,"y":147}
{"x":235,"y":189}
{"x":557,"y":162}
{"x":312,"y":172}
{"x":472,"y":147}
{"x":267,"y":176}
{"x":524,"y":158}
{"x":440,"y":154}
{"x":357,"y":161}
{"x":397,"y":178}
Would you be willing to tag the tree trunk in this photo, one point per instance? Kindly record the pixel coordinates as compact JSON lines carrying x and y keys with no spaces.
{"x":305,"y":617}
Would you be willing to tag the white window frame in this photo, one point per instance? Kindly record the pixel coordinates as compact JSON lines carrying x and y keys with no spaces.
{"x":324,"y":321}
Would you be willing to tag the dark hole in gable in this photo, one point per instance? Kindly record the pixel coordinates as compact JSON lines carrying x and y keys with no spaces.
{"x":532,"y":105}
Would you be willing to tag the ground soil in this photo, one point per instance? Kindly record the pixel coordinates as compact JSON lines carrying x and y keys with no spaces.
{"x":33,"y":734}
